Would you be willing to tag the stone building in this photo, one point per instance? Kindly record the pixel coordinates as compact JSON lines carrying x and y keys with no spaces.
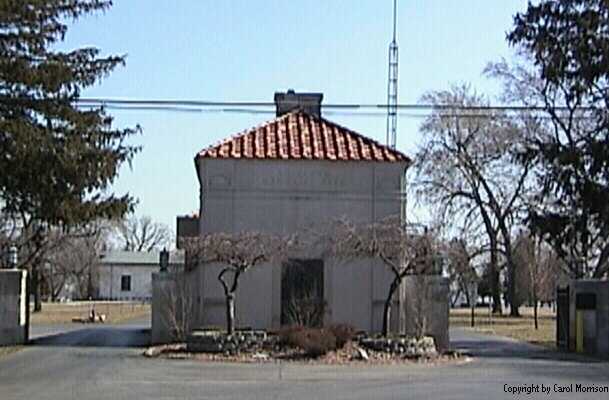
{"x":291,"y":173}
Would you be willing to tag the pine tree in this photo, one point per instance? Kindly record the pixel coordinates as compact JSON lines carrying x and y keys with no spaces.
{"x":57,"y":160}
{"x":568,"y":42}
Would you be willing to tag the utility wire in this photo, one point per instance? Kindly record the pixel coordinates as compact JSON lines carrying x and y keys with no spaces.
{"x":462,"y":113}
{"x":352,"y":106}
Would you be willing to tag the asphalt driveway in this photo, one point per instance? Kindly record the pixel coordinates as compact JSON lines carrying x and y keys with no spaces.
{"x":105,"y":362}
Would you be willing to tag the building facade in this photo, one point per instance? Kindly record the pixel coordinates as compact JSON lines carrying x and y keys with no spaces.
{"x":292,"y":173}
{"x":127,"y":275}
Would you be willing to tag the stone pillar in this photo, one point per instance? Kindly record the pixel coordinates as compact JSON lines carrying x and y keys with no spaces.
{"x":426,"y":307}
{"x":174,"y":305}
{"x":602,"y":316}
{"x":163,"y":283}
{"x":13,"y":307}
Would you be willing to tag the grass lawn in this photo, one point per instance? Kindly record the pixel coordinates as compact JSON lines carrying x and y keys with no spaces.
{"x":522,"y":328}
{"x":58,"y":313}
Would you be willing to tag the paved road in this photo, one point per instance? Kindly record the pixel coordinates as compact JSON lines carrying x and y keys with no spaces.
{"x":104,"y":362}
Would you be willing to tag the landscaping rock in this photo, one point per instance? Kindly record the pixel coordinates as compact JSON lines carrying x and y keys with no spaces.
{"x":213,"y":341}
{"x":361,"y":354}
{"x":260,"y":356}
{"x":403,"y":345}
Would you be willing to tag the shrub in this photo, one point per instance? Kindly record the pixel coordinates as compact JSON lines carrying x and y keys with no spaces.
{"x":343,"y":333}
{"x":307,"y":311}
{"x":314,"y":342}
{"x":286,"y":334}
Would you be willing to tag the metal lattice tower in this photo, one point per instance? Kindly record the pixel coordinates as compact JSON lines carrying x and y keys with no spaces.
{"x":392,"y":85}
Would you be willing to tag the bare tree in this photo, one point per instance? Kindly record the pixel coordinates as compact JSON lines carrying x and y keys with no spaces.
{"x":540,"y":270}
{"x":403,"y":251}
{"x":465,"y":169}
{"x":527,"y":270}
{"x":236,"y":254}
{"x":32,"y":240}
{"x":76,"y":260}
{"x":461,"y":271}
{"x":569,"y":208}
{"x":37,"y":244}
{"x":142,"y":234}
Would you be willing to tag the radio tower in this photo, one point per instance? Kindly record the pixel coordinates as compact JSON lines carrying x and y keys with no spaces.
{"x":392,"y":85}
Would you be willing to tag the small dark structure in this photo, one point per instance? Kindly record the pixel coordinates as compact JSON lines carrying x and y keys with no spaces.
{"x":587,"y":321}
{"x":562,"y":318}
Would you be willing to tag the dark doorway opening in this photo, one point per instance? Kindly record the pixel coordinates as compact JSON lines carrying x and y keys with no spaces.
{"x":302,"y":292}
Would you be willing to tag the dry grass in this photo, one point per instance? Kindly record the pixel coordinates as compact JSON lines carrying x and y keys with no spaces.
{"x":503,"y":325}
{"x":59,"y":313}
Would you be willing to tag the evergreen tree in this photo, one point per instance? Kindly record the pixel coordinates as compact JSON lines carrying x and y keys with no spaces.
{"x":568,"y":41}
{"x":57,"y":160}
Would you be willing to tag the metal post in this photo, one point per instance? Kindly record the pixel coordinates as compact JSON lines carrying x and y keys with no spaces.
{"x":392,"y":85}
{"x":164,"y":260}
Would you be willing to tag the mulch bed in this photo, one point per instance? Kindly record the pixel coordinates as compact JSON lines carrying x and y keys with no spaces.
{"x":348,"y":355}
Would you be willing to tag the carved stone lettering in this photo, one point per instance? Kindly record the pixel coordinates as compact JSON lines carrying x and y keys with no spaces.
{"x":305,"y":180}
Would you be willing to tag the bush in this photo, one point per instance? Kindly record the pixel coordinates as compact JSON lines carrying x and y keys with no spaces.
{"x":343,"y":333}
{"x":308,"y":311}
{"x":314,"y":342}
{"x":286,"y":334}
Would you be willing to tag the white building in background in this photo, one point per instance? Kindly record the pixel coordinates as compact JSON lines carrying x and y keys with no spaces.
{"x":127,"y":275}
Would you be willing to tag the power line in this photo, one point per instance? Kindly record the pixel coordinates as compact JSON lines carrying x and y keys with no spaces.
{"x":250,"y":106}
{"x":343,"y":106}
{"x":479,"y":114}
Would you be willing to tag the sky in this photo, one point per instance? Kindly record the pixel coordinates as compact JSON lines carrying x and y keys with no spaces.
{"x":244,"y":50}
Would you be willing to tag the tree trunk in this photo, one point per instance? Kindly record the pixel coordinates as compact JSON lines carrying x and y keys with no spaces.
{"x":514,"y":312}
{"x":230,"y":313}
{"x":466,"y":292}
{"x":473,"y":308}
{"x":90,"y":290}
{"x":387,"y":308}
{"x":36,"y":289}
{"x":494,"y":274}
{"x":494,"y":271}
{"x":535,"y":310}
{"x":511,"y":289}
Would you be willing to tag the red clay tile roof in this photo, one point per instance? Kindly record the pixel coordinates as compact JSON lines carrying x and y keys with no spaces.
{"x":301,"y":136}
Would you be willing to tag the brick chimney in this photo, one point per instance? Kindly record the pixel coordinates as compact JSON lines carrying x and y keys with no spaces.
{"x":307,"y":102}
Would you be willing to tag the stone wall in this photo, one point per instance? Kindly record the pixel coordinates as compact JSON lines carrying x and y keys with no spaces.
{"x":13,"y":307}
